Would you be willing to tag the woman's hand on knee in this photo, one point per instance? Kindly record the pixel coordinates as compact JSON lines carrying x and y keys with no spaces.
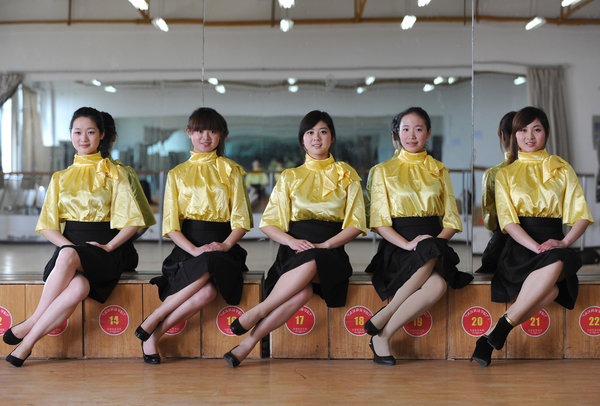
{"x":106,"y":247}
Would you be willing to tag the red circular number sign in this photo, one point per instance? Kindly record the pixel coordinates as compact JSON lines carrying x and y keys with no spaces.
{"x":5,"y":320}
{"x":60,"y":329}
{"x":226,"y":316}
{"x":113,"y":320}
{"x":420,"y":326}
{"x":589,"y":321}
{"x":176,"y":329}
{"x":302,"y":322}
{"x":355,"y":320}
{"x":476,"y":321}
{"x":537,"y":325}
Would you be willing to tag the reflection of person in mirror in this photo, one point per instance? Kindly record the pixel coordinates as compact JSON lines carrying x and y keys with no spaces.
{"x":536,"y":194}
{"x":141,"y":198}
{"x":206,"y":212}
{"x":489,"y":259}
{"x":412,"y":206}
{"x":314,"y":210}
{"x":256,"y":182}
{"x":276,"y":166}
{"x":92,"y":199}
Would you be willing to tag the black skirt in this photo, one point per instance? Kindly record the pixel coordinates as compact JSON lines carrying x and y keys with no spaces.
{"x":180,"y":268}
{"x":491,"y":254}
{"x":517,"y":262}
{"x":333,"y":265}
{"x":102,"y":269}
{"x":392,"y":266}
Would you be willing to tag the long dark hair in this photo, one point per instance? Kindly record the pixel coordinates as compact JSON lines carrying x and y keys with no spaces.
{"x":505,"y":127}
{"x":523,"y":118}
{"x":96,"y":117}
{"x":206,"y":118}
{"x":110,"y":133}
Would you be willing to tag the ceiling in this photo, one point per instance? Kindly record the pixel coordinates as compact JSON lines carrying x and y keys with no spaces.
{"x":305,"y":12}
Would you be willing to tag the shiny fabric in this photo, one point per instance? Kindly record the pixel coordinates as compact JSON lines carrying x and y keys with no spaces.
{"x":411,"y":185}
{"x":317,"y":190}
{"x":93,"y":189}
{"x":539,"y":185}
{"x":206,"y":187}
{"x":138,"y":192}
{"x":488,"y":197}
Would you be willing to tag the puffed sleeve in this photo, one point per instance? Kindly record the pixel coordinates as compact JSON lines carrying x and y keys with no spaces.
{"x":171,"y":206}
{"x":279,"y":210}
{"x":378,"y":204}
{"x":451,"y":218}
{"x":124,"y":210}
{"x":507,"y":213}
{"x":241,"y":213}
{"x":488,"y":201}
{"x":140,"y":197}
{"x":574,"y":204}
{"x":354,"y":213}
{"x":49,"y":217}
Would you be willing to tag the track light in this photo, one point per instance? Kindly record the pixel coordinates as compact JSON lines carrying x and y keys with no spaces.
{"x":110,"y":89}
{"x":139,"y":4}
{"x":213,"y":81}
{"x":286,"y":24}
{"x":220,"y":89}
{"x":423,"y":3}
{"x":520,"y":80}
{"x":451,"y":80}
{"x":360,"y":90}
{"x":438,"y":80}
{"x":286,"y":3}
{"x":293,"y":88}
{"x":407,"y":22}
{"x":160,"y":24}
{"x":96,"y":82}
{"x":292,"y":81}
{"x":535,"y":23}
{"x":369,"y":80}
{"x":428,"y":87}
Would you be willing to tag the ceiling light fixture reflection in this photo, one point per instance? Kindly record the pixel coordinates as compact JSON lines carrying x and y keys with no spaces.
{"x":161,"y":24}
{"x":438,"y":80}
{"x":451,"y":80}
{"x":213,"y":81}
{"x":96,"y":82}
{"x":286,"y":24}
{"x":407,"y":22}
{"x":428,"y":87}
{"x":520,"y":80}
{"x":360,"y":90}
{"x":423,"y":3}
{"x":292,"y":81}
{"x":535,"y":23}
{"x":567,"y":3}
{"x":220,"y":89}
{"x":110,"y":89}
{"x":286,"y":3}
{"x":369,"y":80}
{"x":139,"y":4}
{"x":293,"y":88}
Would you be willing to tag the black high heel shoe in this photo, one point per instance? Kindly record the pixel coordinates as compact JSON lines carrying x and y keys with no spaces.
{"x":370,"y":328}
{"x":143,"y":334}
{"x":483,"y":352}
{"x":231,"y":359}
{"x":237,"y":329}
{"x":385,"y":360}
{"x":150,"y":358}
{"x":10,"y":338}
{"x":16,"y":362}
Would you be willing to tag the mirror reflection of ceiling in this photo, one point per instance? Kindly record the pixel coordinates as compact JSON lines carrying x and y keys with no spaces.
{"x":268,"y":12}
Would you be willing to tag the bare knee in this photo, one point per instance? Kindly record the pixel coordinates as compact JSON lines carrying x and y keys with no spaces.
{"x":437,"y":285}
{"x":303,"y":296}
{"x":79,"y":288}
{"x":205,"y":295}
{"x":68,"y":258}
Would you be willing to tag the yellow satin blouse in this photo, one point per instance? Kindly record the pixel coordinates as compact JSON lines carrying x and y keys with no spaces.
{"x":317,"y":190}
{"x":138,"y":192}
{"x":539,"y":185}
{"x":92,"y":189}
{"x":488,"y":201}
{"x":411,"y":185}
{"x":206,"y":187}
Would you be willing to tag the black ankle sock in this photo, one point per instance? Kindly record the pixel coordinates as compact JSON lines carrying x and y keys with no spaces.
{"x":498,"y":336}
{"x":483,"y":352}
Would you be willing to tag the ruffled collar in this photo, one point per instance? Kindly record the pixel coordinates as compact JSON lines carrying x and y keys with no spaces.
{"x":93,"y":159}
{"x":317,"y":164}
{"x":533,"y":156}
{"x":432,"y":165}
{"x":203,"y":157}
{"x":550,"y":163}
{"x":411,"y":157}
